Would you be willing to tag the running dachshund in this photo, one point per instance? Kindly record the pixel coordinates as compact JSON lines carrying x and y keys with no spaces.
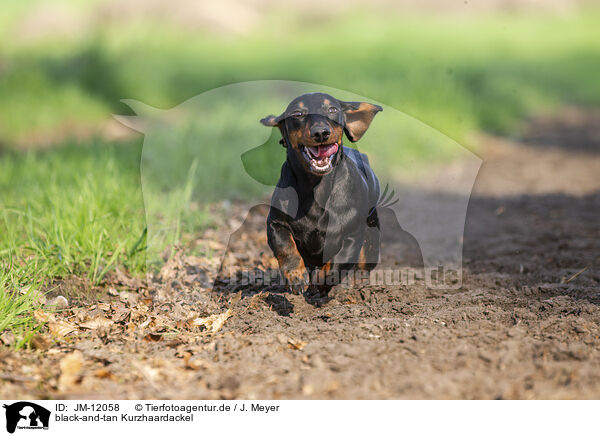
{"x":332,"y":227}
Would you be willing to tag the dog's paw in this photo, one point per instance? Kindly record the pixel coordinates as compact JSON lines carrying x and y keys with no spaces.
{"x":298,"y":289}
{"x":297,"y":280}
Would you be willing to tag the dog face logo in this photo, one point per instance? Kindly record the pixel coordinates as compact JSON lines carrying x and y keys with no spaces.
{"x":211,"y":148}
{"x":26,"y":415}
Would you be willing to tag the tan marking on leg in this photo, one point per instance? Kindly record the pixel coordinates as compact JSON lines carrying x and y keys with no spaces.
{"x":322,"y":272}
{"x":295,"y":274}
{"x":362,"y":259}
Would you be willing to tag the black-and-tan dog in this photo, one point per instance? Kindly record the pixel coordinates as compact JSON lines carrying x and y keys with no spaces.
{"x":333,"y":227}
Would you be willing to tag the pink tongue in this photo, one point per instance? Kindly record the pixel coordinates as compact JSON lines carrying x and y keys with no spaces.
{"x":326,"y":150}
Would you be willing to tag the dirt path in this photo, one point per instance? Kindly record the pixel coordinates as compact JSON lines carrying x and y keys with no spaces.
{"x":525,"y":324}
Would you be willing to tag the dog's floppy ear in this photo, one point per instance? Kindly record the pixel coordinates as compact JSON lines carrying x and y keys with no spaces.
{"x":357,"y":118}
{"x":272,"y":120}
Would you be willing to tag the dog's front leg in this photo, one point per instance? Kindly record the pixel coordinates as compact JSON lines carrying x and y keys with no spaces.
{"x":291,"y":264}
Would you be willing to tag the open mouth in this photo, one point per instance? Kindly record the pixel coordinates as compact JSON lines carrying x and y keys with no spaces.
{"x":319,"y":157}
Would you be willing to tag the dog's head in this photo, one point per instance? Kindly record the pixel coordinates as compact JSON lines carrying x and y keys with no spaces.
{"x":312,"y":128}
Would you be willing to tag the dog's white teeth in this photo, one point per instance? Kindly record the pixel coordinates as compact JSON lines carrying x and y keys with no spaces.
{"x":321,"y":164}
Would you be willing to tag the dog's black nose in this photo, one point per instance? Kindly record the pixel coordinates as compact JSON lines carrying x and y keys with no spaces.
{"x":320,"y":133}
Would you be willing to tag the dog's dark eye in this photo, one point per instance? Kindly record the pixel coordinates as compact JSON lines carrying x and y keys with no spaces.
{"x":332,"y":110}
{"x":297,"y":114}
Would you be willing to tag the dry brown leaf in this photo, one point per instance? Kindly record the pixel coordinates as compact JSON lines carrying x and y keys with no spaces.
{"x":60,"y":329}
{"x":40,"y":342}
{"x":195,"y":362}
{"x":146,"y":323}
{"x":130,"y":282}
{"x":171,"y":268}
{"x":7,"y":337}
{"x":121,"y":314}
{"x":41,"y":316}
{"x":130,"y":298}
{"x":104,"y":373}
{"x":213,"y":322}
{"x":96,"y":323}
{"x":186,"y":356}
{"x":236,"y":298}
{"x":295,"y":344}
{"x":153,"y":337}
{"x":70,"y":370}
{"x":94,"y":313}
{"x":257,"y":300}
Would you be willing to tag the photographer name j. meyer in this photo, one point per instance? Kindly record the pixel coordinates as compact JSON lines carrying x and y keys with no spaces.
{"x":185,"y":408}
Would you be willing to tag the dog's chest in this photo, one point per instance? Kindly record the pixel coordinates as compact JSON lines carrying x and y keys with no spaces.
{"x":321,"y":228}
{"x":313,"y":226}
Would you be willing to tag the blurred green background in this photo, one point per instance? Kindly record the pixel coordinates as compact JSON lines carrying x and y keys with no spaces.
{"x":70,"y":195}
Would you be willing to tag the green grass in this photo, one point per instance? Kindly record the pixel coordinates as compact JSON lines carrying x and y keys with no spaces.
{"x":77,"y":208}
{"x":458,"y":75}
{"x":72,"y":210}
{"x":16,"y":307}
